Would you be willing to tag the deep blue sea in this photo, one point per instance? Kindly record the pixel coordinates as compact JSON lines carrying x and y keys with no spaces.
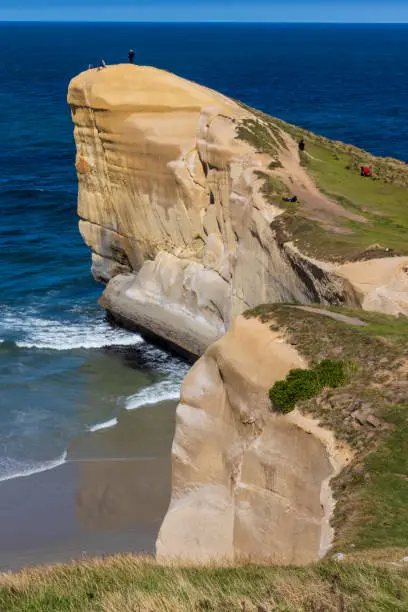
{"x":64,"y":373}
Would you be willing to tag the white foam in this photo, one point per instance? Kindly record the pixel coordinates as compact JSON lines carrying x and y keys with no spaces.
{"x":159,"y":392}
{"x":105,"y":425}
{"x":33,"y":331}
{"x":17,"y":469}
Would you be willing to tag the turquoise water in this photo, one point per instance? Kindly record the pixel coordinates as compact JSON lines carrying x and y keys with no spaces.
{"x":63,"y":370}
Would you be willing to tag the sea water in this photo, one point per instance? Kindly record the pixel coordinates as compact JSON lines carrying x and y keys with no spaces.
{"x":65,"y":374}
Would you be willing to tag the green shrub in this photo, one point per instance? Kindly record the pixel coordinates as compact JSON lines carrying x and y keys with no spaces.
{"x":331,"y":373}
{"x":300,"y":385}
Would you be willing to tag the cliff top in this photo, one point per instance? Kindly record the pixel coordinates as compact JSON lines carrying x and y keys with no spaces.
{"x":127,"y":87}
{"x":340,"y":215}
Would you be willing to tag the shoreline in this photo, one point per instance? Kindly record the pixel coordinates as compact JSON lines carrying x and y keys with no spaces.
{"x":83,"y":508}
{"x":109,"y":496}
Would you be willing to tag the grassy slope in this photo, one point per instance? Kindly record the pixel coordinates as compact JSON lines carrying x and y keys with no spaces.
{"x":335,"y":168}
{"x":126,"y":583}
{"x":372,"y":509}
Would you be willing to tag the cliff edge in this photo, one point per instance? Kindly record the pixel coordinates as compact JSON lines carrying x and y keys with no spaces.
{"x":181,"y":203}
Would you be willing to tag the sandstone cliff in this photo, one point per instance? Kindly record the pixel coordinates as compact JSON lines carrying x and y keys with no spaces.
{"x":247,"y":482}
{"x":250,"y":481}
{"x":174,"y":199}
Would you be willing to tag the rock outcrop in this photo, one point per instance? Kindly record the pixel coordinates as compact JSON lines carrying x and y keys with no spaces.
{"x":172,"y":206}
{"x":247,"y":482}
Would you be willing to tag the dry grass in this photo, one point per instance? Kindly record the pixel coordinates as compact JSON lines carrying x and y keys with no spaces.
{"x":128,"y":583}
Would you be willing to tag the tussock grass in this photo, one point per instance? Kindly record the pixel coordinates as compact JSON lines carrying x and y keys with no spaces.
{"x":128,"y":583}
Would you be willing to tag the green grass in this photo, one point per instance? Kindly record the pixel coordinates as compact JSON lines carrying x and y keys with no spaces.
{"x":384,"y":205}
{"x":383,"y":503}
{"x":126,"y":583}
{"x":257,"y":133}
{"x":387,"y":169}
{"x":335,"y":167}
{"x":372,"y":493}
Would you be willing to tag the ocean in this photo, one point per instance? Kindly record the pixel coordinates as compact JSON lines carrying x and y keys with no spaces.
{"x":72,"y":388}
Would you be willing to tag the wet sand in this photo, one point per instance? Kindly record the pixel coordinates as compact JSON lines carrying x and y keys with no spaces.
{"x":110,"y":496}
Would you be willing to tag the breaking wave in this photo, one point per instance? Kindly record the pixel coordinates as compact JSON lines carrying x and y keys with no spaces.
{"x":158,"y":392}
{"x":33,"y":331}
{"x":104,"y":425}
{"x":11,"y":468}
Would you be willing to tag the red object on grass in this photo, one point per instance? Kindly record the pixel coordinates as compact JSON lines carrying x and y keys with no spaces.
{"x":365,"y":171}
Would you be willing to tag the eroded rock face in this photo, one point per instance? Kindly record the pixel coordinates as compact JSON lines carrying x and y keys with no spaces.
{"x":170,"y":205}
{"x":246,"y":482}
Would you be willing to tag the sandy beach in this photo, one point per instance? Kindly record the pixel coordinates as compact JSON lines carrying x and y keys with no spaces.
{"x":110,"y":496}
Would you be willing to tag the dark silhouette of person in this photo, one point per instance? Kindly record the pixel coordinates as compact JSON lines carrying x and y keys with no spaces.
{"x":302,"y":145}
{"x":131,"y":56}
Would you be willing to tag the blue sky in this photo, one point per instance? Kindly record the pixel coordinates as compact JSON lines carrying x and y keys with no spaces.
{"x":205,"y":10}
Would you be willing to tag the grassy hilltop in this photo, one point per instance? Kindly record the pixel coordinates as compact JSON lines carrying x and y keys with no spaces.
{"x":379,"y":204}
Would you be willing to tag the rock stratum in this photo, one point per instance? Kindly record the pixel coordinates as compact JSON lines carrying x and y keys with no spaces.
{"x":174,"y":208}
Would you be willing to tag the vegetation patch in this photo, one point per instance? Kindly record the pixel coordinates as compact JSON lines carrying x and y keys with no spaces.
{"x":300,"y":385}
{"x":263,"y":136}
{"x":274,"y":190}
{"x":381,"y":200}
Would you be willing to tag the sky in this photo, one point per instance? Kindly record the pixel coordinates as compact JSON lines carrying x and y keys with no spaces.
{"x":205,"y":10}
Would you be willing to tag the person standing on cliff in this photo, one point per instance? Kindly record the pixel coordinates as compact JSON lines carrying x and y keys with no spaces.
{"x":131,"y":56}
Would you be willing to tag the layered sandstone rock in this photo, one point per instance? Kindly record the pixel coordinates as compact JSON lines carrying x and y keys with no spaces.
{"x":172,"y":208}
{"x":247,"y":482}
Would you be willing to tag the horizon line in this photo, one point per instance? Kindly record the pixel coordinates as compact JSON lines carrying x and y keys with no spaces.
{"x":215,"y":21}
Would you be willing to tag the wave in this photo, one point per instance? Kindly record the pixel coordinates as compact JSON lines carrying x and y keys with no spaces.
{"x":172,"y":367}
{"x":104,"y":425}
{"x":158,"y":392}
{"x":33,"y":331}
{"x":11,"y":468}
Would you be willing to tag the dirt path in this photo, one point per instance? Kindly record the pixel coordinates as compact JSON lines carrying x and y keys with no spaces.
{"x":318,"y":206}
{"x":333,"y":315}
